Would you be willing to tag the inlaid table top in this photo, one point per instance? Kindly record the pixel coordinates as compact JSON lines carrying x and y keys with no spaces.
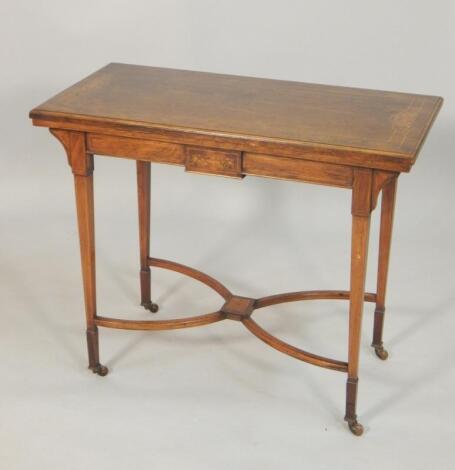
{"x":350,"y":126}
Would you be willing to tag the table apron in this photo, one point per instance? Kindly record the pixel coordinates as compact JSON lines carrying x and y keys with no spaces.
{"x":222,"y":162}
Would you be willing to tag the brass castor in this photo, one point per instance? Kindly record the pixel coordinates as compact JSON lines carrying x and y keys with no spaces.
{"x":381,"y":352}
{"x":151,"y":306}
{"x":356,"y":428}
{"x":100,"y":370}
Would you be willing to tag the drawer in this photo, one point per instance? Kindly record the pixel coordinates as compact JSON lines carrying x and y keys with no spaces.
{"x":214,"y":161}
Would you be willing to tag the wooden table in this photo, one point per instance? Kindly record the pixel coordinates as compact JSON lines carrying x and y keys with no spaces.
{"x":237,"y":126}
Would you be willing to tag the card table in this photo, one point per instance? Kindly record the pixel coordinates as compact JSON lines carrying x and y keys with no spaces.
{"x":237,"y":126}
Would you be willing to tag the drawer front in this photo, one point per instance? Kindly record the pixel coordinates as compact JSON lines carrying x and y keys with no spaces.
{"x":212,"y":161}
{"x":137,"y":149}
{"x":273,"y":166}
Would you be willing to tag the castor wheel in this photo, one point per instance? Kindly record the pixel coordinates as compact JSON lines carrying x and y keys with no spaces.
{"x":356,"y":428}
{"x":381,"y":352}
{"x":100,"y":370}
{"x":152,"y":307}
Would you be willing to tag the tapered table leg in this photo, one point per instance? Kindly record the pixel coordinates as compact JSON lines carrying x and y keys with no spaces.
{"x":82,"y":165}
{"x":385,"y":238}
{"x":361,"y":210}
{"x":143,"y":193}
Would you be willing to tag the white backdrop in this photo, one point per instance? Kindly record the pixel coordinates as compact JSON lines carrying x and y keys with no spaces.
{"x":217,"y":397}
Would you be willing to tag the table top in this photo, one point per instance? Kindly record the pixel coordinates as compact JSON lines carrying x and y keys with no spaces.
{"x":331,"y":120}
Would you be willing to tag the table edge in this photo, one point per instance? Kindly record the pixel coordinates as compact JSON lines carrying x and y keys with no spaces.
{"x":344,"y":155}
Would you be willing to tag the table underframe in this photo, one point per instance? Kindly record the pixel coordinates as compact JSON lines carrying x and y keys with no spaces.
{"x":366,"y":185}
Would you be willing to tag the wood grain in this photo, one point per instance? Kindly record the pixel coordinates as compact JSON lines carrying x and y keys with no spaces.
{"x":290,"y":350}
{"x":385,"y":241}
{"x":159,"y":325}
{"x":137,"y":149}
{"x":238,"y":308}
{"x":361,"y":208}
{"x":82,"y":166}
{"x":214,"y":161}
{"x":298,"y":170}
{"x":143,"y":170}
{"x":336,"y":123}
